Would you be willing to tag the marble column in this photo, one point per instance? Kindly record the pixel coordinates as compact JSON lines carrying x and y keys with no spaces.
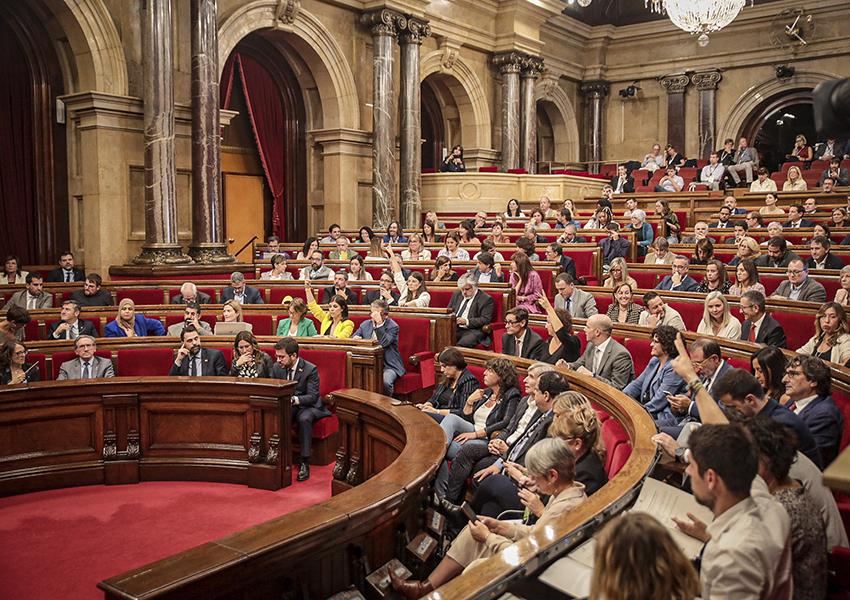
{"x":531,"y":69}
{"x":675,"y":85}
{"x":706,"y":82}
{"x":161,"y":245}
{"x":594,"y":94}
{"x":410,"y":132}
{"x":509,"y":65}
{"x":383,"y":25}
{"x":208,"y":245}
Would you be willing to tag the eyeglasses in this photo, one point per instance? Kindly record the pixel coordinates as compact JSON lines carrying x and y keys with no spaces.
{"x":794,"y":272}
{"x":511,"y":322}
{"x":20,"y":352}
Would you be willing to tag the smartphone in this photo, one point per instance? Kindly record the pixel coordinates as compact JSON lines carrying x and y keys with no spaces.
{"x":395,"y":402}
{"x":468,"y":512}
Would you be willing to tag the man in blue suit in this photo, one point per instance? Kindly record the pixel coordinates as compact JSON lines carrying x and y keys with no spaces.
{"x":657,"y":381}
{"x":384,"y":330}
{"x":679,"y":280}
{"x":808,"y":383}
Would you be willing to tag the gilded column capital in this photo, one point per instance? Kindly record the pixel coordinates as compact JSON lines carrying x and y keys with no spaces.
{"x":413,"y":30}
{"x":674,"y":84}
{"x":597,"y":88}
{"x":509,"y":62}
{"x":384,"y":22}
{"x":707,"y":80}
{"x":532,"y":66}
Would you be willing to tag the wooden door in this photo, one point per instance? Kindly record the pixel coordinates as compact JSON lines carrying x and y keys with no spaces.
{"x":244,"y":211}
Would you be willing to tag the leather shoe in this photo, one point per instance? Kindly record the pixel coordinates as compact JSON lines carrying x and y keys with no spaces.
{"x":303,"y":472}
{"x":452,"y":511}
{"x":410,"y":588}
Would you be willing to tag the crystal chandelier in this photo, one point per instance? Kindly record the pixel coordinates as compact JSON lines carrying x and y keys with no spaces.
{"x":698,"y":17}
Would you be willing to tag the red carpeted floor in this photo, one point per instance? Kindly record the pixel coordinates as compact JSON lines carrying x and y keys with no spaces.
{"x":61,"y":543}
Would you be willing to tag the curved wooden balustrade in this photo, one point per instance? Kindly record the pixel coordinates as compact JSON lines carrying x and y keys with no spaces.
{"x":494,"y":576}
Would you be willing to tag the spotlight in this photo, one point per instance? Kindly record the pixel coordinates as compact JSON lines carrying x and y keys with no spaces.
{"x":784,"y":72}
{"x":629,"y":92}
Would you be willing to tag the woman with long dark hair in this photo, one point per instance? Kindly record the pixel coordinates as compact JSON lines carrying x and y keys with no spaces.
{"x":526,"y":282}
{"x":453,"y":163}
{"x":768,"y":365}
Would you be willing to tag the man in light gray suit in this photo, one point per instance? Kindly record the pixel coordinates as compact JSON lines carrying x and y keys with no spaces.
{"x":799,"y":285}
{"x":744,"y":162}
{"x":33,"y":297}
{"x":604,"y":358}
{"x":86,"y":365}
{"x":577,"y":302}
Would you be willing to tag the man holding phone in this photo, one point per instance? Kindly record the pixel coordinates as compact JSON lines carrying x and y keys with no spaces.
{"x":195,"y":361}
{"x":191,"y":316}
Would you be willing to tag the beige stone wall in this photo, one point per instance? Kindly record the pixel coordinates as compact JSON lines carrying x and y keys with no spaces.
{"x":100,"y":44}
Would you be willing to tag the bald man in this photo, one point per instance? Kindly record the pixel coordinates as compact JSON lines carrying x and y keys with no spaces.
{"x":604,"y":358}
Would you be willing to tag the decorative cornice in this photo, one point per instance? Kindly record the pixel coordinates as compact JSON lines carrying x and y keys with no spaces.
{"x":674,"y":84}
{"x":384,"y":22}
{"x":518,"y":62}
{"x":707,"y":80}
{"x":598,"y":88}
{"x":413,"y":30}
{"x":532,"y":66}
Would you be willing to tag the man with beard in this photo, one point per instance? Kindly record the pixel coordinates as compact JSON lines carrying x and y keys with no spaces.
{"x":195,"y":361}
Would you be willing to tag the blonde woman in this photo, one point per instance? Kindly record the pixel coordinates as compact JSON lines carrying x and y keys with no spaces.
{"x":619,"y":273}
{"x":577,"y":423}
{"x":231,"y":312}
{"x":717,"y":319}
{"x":831,"y":341}
{"x":794,"y":181}
{"x":747,"y":248}
{"x":770,"y":208}
{"x":801,"y":152}
{"x":636,"y":558}
{"x":842,"y":294}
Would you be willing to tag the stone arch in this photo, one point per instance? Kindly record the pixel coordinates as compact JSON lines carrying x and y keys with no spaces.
{"x":315,"y":44}
{"x":552,"y":98}
{"x":94,"y":56}
{"x":468,"y":95}
{"x":755,"y":95}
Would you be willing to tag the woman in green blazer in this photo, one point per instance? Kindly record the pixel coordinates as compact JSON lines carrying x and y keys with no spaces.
{"x":297,"y":325}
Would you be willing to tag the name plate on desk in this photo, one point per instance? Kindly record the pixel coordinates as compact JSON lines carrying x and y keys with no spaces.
{"x":422,"y":546}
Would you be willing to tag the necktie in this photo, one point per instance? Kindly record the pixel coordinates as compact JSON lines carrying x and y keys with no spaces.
{"x":567,"y":305}
{"x":592,"y":366}
{"x":517,"y":448}
{"x":67,"y":276}
{"x":193,"y":367}
{"x":752,"y":336}
{"x":519,"y":347}
{"x":72,"y":332}
{"x":86,"y":370}
{"x":792,"y":407}
{"x":463,"y":306}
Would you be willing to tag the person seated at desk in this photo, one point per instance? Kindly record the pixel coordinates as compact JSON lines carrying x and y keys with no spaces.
{"x":33,"y":297}
{"x":12,"y":274}
{"x":86,"y":365}
{"x":679,"y":280}
{"x":189,"y":292}
{"x":574,"y":300}
{"x":385,"y":290}
{"x":565,"y":264}
{"x":624,"y":309}
{"x":394,"y":234}
{"x":92,"y":294}
{"x":67,"y":271}
{"x":231,"y":313}
{"x":272,"y":248}
{"x":473,"y":309}
{"x":415,"y":249}
{"x":659,"y":253}
{"x":613,"y":246}
{"x":334,"y":233}
{"x":717,"y":319}
{"x":778,"y":255}
{"x":763,"y":182}
{"x":487,"y":270}
{"x":659,"y":313}
{"x":194,"y":360}
{"x":248,"y":360}
{"x":836,"y":173}
{"x":343,"y":251}
{"x":671,"y":182}
{"x":191,"y":316}
{"x":831,"y":340}
{"x":13,"y":366}
{"x":384,"y":330}
{"x":412,"y":292}
{"x":658,"y":379}
{"x":334,"y":322}
{"x":458,"y":384}
{"x":799,"y":285}
{"x":239,"y":291}
{"x":307,"y":405}
{"x":339,"y":288}
{"x":129,"y":324}
{"x":278,"y":271}
{"x":821,"y":257}
{"x":297,"y":324}
{"x":564,"y":344}
{"x":795,"y":218}
{"x":69,"y":326}
{"x":618,"y":273}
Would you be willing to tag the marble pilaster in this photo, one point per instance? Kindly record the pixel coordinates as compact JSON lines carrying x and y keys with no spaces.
{"x":531,"y":69}
{"x":208,"y":245}
{"x":675,"y":85}
{"x":706,"y":83}
{"x":510,"y":65}
{"x":383,"y":25}
{"x":594,"y":93}
{"x":410,"y":132}
{"x":161,"y":245}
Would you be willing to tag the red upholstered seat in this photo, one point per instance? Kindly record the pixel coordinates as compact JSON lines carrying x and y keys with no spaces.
{"x":639,"y":349}
{"x":798,"y":328}
{"x":141,"y":296}
{"x":60,"y":357}
{"x":842,"y":400}
{"x":31,"y":330}
{"x":278,"y":293}
{"x":262,"y":324}
{"x":771,"y":281}
{"x":414,"y":338}
{"x":144,"y":361}
{"x":488,"y":169}
{"x":691,"y":312}
{"x":617,"y":446}
{"x":518,"y":171}
{"x":739,"y":363}
{"x":325,"y":428}
{"x":207,"y":318}
{"x":332,"y":366}
{"x":646,"y":280}
{"x":640,"y":176}
{"x":40,"y":359}
{"x":603,"y":301}
{"x":547,"y":277}
{"x":619,"y":457}
{"x":478,"y":372}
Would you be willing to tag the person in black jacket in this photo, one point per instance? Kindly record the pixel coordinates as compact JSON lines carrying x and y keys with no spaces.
{"x":458,"y":384}
{"x":195,"y":361}
{"x":67,"y":271}
{"x":339,"y":288}
{"x":70,"y":326}
{"x":821,"y":257}
{"x":473,"y":310}
{"x":622,"y":182}
{"x":453,"y":163}
{"x":519,"y":340}
{"x":760,"y":327}
{"x":307,"y":405}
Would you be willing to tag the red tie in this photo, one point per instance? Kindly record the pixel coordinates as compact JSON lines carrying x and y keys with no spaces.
{"x":752,"y":336}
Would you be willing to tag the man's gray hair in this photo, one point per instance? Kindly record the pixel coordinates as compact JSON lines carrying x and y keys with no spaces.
{"x":465,"y":279}
{"x":188,"y":288}
{"x":85,"y":337}
{"x":236,"y":277}
{"x":381,"y":305}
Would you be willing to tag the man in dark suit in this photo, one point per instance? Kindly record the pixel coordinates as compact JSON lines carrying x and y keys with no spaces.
{"x":778,"y":255}
{"x":92,"y":293}
{"x":385,"y":291}
{"x":520,"y":340}
{"x":195,"y":361}
{"x":723,"y":219}
{"x":760,"y":327}
{"x":622,"y":182}
{"x":66,"y":272}
{"x":189,"y":293}
{"x":473,"y":310}
{"x":237,"y":290}
{"x":381,"y":328}
{"x":565,"y":264}
{"x":808,"y":382}
{"x":821,"y":257}
{"x":339,"y":288}
{"x":485,"y":271}
{"x":70,"y":326}
{"x":679,"y":280}
{"x":795,"y":218}
{"x":836,"y":173}
{"x":307,"y":405}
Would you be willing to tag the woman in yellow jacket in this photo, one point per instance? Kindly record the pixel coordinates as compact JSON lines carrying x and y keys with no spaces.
{"x":334,"y":322}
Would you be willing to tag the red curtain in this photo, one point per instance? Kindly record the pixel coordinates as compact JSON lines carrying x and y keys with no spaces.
{"x":266,"y":115}
{"x":17,"y":171}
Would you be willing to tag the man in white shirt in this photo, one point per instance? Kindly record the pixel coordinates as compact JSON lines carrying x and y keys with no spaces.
{"x":622,"y":182}
{"x":670,"y":182}
{"x":658,"y":313}
{"x":191,"y":316}
{"x":654,"y":160}
{"x":33,"y":297}
{"x":604,"y":358}
{"x":334,"y":231}
{"x":711,"y":174}
{"x":763,"y":184}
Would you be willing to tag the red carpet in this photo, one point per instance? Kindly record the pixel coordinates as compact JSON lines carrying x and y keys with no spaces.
{"x":61,"y":543}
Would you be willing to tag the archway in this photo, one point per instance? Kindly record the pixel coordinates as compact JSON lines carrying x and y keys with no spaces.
{"x":433,"y":132}
{"x":260,"y":82}
{"x":773,"y":125}
{"x":545,"y":139}
{"x":557,"y":116}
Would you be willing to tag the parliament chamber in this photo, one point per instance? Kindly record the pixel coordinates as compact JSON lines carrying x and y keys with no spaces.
{"x":447,"y":299}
